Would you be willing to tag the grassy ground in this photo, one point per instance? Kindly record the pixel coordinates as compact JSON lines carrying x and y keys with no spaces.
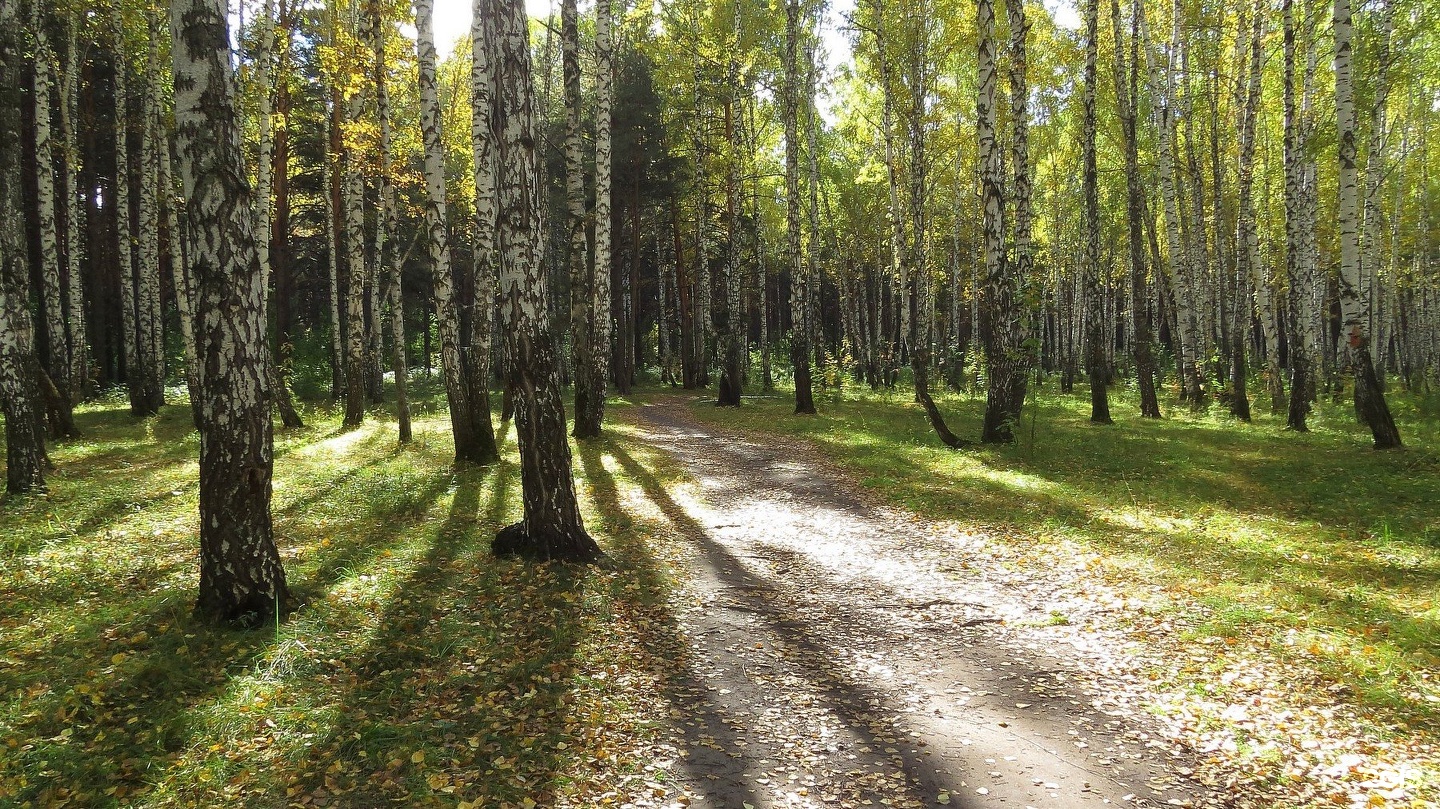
{"x":421,"y":671}
{"x":1312,"y":546}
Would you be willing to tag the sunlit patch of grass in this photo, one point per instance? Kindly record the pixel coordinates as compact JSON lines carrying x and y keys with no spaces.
{"x":1310,"y":545}
{"x":418,"y":670}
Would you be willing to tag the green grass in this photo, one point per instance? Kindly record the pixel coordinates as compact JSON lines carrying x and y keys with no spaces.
{"x":420,"y":670}
{"x":1311,"y":546}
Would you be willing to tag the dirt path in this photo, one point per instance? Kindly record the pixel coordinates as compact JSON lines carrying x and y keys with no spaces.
{"x":849,"y":659}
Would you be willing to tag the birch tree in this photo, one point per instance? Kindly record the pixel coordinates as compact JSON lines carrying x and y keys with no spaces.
{"x":551,"y":527}
{"x":1370,"y":402}
{"x":581,"y":287}
{"x":356,"y":357}
{"x":730,"y":323}
{"x":474,"y":436}
{"x":1095,"y":334}
{"x":799,"y":299}
{"x":589,"y":418}
{"x":1126,"y":99}
{"x":57,"y":354}
{"x":387,"y":227}
{"x":483,"y":151}
{"x":24,"y":442}
{"x":1247,"y":255}
{"x":77,"y":342}
{"x":241,"y":577}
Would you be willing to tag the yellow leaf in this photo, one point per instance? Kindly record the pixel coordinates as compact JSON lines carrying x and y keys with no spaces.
{"x":418,"y":756}
{"x":118,"y":659}
{"x":528,"y":804}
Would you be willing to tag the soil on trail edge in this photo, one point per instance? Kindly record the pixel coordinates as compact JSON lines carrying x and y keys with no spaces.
{"x":843,"y":657}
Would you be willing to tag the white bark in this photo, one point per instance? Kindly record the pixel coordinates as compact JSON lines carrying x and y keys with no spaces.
{"x":57,"y":353}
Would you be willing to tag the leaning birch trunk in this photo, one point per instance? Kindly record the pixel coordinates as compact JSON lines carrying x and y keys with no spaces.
{"x":1247,"y":247}
{"x":241,"y":577}
{"x":182,"y":284}
{"x":385,"y":232}
{"x":1095,"y":333}
{"x":24,"y":442}
{"x":730,"y":318}
{"x":60,"y":409}
{"x":355,"y":271}
{"x":1127,"y":96}
{"x":470,"y":446}
{"x":1369,"y":399}
{"x":76,"y":337}
{"x":799,"y":308}
{"x":551,"y":527}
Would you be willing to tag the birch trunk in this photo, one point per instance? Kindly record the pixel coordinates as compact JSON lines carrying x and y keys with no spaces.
{"x":264,"y":186}
{"x":241,"y":577}
{"x":1247,"y":244}
{"x":1302,"y":348}
{"x":551,"y":527}
{"x":1375,"y":171}
{"x":333,"y":235}
{"x":577,"y":240}
{"x":1127,"y":96}
{"x":1369,"y":399}
{"x":469,"y":431}
{"x":600,"y":331}
{"x":356,"y":361}
{"x":19,"y":368}
{"x":1191,"y":379}
{"x":1095,"y":333}
{"x":182,"y":284}
{"x":59,"y":409}
{"x":386,"y":231}
{"x":147,"y":287}
{"x":76,"y":338}
{"x":1005,"y":362}
{"x":799,"y":305}
{"x":125,"y":244}
{"x":730,"y":320}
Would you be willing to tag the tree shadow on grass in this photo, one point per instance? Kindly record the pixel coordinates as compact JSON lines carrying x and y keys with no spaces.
{"x":845,"y":697}
{"x":105,"y":711}
{"x":465,"y":683}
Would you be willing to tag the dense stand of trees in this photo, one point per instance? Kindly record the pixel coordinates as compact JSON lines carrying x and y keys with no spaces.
{"x":677,"y":191}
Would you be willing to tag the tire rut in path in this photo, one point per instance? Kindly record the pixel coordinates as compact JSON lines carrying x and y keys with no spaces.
{"x":840,"y":662}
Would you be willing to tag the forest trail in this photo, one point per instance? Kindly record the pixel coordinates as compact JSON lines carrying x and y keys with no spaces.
{"x":845,"y":655}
